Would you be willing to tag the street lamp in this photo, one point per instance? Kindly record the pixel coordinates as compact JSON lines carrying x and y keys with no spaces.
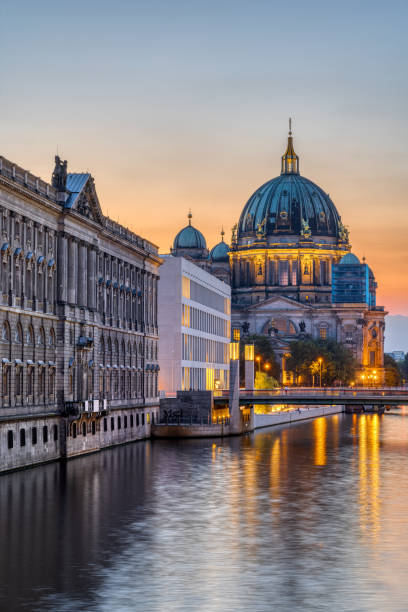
{"x":267,"y":366}
{"x":363,"y":378}
{"x":320,"y":360}
{"x":258,"y":359}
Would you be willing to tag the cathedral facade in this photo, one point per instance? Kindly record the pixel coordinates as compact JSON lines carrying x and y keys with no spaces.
{"x":291,"y":271}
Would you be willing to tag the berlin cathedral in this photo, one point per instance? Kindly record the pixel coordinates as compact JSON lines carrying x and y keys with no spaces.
{"x":291,"y":271}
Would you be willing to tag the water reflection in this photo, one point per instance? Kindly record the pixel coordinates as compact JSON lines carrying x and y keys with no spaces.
{"x":310,"y":516}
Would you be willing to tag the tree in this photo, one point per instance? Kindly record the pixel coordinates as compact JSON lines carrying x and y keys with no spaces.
{"x":263,"y":381}
{"x":393,"y":376}
{"x":403,"y":367}
{"x":338,"y":364}
{"x":264,"y":350}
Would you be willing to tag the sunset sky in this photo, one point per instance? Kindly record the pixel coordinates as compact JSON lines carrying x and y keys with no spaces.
{"x":176,"y":105}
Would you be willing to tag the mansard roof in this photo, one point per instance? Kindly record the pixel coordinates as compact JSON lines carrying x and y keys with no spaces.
{"x":75,"y":184}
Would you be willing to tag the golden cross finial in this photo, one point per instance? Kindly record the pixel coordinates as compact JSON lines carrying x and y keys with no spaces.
{"x":222,"y":233}
{"x":189,"y":216}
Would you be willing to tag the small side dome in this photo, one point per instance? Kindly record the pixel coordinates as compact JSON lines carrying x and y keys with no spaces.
{"x":221,"y":250}
{"x":349,"y":259}
{"x":189,"y":238}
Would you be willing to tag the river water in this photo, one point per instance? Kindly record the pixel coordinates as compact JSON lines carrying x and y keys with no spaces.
{"x":311,"y":516}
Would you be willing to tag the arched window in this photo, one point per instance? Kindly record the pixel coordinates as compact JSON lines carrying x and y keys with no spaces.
{"x":74,"y":430}
{"x":109,"y":345}
{"x":5,"y":332}
{"x":51,"y":337}
{"x":323,"y":328}
{"x":30,"y":335}
{"x":84,"y":429}
{"x":116,"y":345}
{"x":41,"y":337}
{"x":18,"y":337}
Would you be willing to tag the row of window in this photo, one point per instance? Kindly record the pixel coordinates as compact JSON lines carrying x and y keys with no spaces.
{"x":195,"y":348}
{"x":204,"y":321}
{"x":107,"y":346}
{"x":112,"y":385}
{"x":23,"y":435}
{"x":204,"y":379}
{"x":29,"y":337}
{"x":283,"y":272}
{"x":138,"y":420}
{"x":43,"y":389}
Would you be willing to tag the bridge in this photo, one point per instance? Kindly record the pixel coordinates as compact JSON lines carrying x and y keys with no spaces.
{"x":348,"y":396}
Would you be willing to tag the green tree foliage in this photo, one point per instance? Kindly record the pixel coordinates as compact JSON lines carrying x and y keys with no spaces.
{"x":338,"y":363}
{"x":403,"y":367}
{"x":393,"y":376}
{"x":264,"y":350}
{"x":263,"y":381}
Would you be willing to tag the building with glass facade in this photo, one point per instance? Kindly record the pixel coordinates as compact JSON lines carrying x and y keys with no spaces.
{"x":194,"y":315}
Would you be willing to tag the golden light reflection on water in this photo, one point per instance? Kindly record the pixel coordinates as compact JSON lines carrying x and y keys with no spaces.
{"x":319,"y":433}
{"x":275,"y":472}
{"x":369,"y":471}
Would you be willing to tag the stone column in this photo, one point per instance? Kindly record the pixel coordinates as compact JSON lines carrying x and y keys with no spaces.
{"x":82,"y":274}
{"x":72,"y":271}
{"x":92,"y":278}
{"x":62,"y":268}
{"x":235,"y":413}
{"x":249,"y":367}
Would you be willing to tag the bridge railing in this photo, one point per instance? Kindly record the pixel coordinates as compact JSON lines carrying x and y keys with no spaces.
{"x":321,"y":392}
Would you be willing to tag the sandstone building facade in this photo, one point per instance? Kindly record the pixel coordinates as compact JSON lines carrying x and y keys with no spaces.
{"x":78,"y":321}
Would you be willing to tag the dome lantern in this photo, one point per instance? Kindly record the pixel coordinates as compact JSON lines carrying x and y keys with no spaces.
{"x":290,"y":161}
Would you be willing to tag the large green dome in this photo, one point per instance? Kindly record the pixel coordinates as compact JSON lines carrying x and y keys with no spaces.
{"x":288,"y":205}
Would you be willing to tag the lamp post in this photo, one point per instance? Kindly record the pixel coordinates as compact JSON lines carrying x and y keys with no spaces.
{"x":320,"y":360}
{"x":258,"y":359}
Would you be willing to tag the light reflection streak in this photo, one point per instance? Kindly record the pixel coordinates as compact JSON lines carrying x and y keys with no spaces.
{"x":319,"y":431}
{"x":369,"y":470}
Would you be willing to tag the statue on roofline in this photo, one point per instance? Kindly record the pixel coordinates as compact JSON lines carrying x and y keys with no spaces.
{"x":261,"y":229}
{"x":59,"y":176}
{"x":305,"y":232}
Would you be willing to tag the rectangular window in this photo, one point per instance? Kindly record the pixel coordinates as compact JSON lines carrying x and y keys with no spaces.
{"x":143,"y":418}
{"x":283,"y":272}
{"x":22,"y":437}
{"x":45,"y":434}
{"x":294,"y":273}
{"x":148,"y":418}
{"x":186,"y":287}
{"x":131,"y":420}
{"x":323,"y":333}
{"x":137,"y":420}
{"x":125,"y":422}
{"x":55,"y":430}
{"x":10,"y":439}
{"x":112,"y":423}
{"x":34,"y":436}
{"x":119,"y":423}
{"x":105,"y":424}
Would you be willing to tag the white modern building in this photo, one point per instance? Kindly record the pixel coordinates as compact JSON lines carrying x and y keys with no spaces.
{"x":194,"y":317}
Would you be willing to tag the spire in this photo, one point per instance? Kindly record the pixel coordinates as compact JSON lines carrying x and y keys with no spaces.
{"x":189,"y":217}
{"x":290,"y":161}
{"x":222,"y":234}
